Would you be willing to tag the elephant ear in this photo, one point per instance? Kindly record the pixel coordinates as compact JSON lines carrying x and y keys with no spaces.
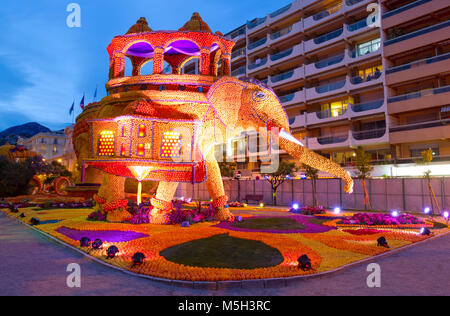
{"x":225,"y":96}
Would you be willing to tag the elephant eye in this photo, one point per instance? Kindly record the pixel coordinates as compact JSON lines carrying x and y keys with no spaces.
{"x":260,"y":95}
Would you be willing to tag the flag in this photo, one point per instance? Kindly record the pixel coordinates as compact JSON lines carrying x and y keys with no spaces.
{"x":95,"y":93}
{"x":82,"y":103}
{"x":72,"y":108}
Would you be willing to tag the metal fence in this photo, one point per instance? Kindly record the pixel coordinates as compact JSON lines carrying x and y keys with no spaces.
{"x":403,"y":194}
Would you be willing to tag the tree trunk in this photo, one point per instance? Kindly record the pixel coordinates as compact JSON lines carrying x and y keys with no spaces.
{"x":314,"y":192}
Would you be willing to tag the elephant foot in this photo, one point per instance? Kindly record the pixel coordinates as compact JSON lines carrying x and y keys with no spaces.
{"x":117,"y":216}
{"x":159,"y":217}
{"x":224,"y":215}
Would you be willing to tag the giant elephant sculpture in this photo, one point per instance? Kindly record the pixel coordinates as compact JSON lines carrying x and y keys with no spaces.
{"x":231,"y":105}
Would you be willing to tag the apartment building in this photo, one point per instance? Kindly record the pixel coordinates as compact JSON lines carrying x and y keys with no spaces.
{"x":48,"y":145}
{"x":347,"y":81}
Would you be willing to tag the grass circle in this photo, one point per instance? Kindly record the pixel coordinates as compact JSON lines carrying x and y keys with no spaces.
{"x":224,"y":251}
{"x":269,"y":223}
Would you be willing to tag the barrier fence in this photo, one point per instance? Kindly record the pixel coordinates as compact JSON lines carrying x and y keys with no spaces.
{"x":403,"y":194}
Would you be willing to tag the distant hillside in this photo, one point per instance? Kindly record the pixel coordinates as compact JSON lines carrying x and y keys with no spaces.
{"x":11,"y":134}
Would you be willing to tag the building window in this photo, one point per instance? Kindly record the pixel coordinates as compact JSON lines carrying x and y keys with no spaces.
{"x":122,"y":150}
{"x":368,"y":47}
{"x":124,"y":130}
{"x":335,"y":109}
{"x":171,"y":145}
{"x":141,"y":150}
{"x":106,"y":144}
{"x":142,"y":130}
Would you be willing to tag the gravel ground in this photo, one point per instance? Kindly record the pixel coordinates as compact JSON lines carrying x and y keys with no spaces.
{"x":33,"y":265}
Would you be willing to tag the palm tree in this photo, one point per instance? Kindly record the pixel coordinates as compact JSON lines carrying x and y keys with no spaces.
{"x":363,"y":170}
{"x":313,"y":174}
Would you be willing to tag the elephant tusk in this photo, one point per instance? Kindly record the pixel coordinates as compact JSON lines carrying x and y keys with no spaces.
{"x":289,"y":137}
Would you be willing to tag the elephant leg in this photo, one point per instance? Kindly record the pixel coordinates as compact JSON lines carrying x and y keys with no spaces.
{"x":111,"y":198}
{"x":162,"y":203}
{"x":214,"y":184}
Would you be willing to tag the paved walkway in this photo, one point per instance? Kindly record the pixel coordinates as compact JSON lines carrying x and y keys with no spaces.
{"x":33,"y":265}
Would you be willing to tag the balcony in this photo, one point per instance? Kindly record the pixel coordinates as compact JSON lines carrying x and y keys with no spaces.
{"x":357,"y":55}
{"x":354,"y":4}
{"x":326,"y":90}
{"x":418,"y":69}
{"x":426,"y":36}
{"x":419,"y":100}
{"x":326,"y":39}
{"x":298,"y":121}
{"x":373,"y":136}
{"x":256,"y":24}
{"x":412,"y":11}
{"x":325,"y":65}
{"x":324,"y":16}
{"x":366,"y":81}
{"x":420,"y":132}
{"x":257,"y":65}
{"x":238,"y":54}
{"x":282,"y":34}
{"x":288,"y":76}
{"x":238,"y":34}
{"x":258,"y":44}
{"x":287,"y":54}
{"x":368,"y":108}
{"x":281,"y":13}
{"x":293,"y":98}
{"x":357,"y":28}
{"x":328,"y":142}
{"x":327,"y":116}
{"x":239,"y":72}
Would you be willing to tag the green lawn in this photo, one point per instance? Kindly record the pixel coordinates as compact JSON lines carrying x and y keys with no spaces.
{"x":224,"y":251}
{"x":273,"y":223}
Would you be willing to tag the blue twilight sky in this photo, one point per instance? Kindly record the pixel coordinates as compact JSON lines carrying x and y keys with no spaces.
{"x":45,"y":65}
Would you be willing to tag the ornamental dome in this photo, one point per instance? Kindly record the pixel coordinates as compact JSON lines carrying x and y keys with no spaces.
{"x":141,"y":26}
{"x":196,"y":24}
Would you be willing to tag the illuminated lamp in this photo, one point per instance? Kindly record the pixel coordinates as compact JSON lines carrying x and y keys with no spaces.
{"x":84,"y":242}
{"x":394,"y":213}
{"x":337,"y":210}
{"x":138,"y":259}
{"x":295,"y":206}
{"x":34,"y":221}
{"x":304,"y":263}
{"x":427,"y":210}
{"x":382,"y":242}
{"x":111,"y":252}
{"x":425,"y":231}
{"x":288,"y":177}
{"x":261,"y":204}
{"x":445,"y":215}
{"x":140,"y":172}
{"x":97,"y":244}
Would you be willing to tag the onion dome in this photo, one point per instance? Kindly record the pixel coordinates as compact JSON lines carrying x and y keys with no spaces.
{"x":141,"y":26}
{"x":196,"y":24}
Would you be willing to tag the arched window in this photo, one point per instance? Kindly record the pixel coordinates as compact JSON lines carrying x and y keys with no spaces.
{"x":124,"y":130}
{"x":106,"y":143}
{"x":171,"y":145}
{"x":123,"y":150}
{"x":142,"y":130}
{"x":141,"y":150}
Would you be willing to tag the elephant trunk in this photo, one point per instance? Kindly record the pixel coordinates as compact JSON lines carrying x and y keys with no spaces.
{"x":294,"y":148}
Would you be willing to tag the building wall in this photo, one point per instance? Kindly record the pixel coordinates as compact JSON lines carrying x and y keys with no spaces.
{"x":48,"y":145}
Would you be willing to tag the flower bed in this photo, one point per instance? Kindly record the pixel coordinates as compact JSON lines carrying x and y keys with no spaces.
{"x":382,"y":221}
{"x":308,"y":210}
{"x":327,"y":247}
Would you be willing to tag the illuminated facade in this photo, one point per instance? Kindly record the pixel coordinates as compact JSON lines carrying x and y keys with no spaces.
{"x":163,"y":126}
{"x":345,"y":83}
